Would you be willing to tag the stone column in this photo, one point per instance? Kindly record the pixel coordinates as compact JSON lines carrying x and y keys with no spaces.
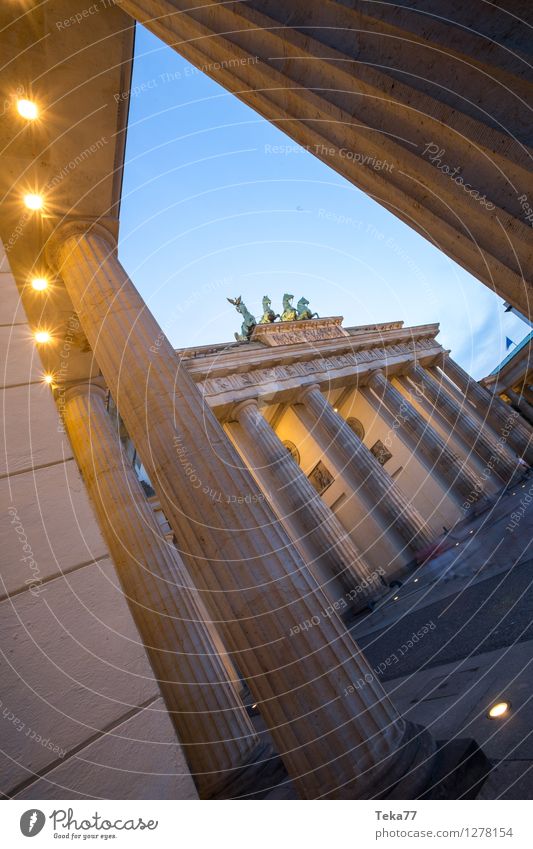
{"x":434,"y":395}
{"x":423,"y":439}
{"x":337,"y":739}
{"x":359,"y":466}
{"x":505,"y":421}
{"x":217,"y":736}
{"x":296,"y":501}
{"x":520,"y":404}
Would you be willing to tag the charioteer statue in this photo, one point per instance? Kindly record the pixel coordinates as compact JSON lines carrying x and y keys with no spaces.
{"x":290,"y":313}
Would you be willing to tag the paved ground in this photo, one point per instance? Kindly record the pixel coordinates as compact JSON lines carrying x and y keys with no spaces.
{"x":494,"y":613}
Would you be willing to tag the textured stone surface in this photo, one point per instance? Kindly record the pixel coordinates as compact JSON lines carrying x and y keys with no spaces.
{"x":297,"y":502}
{"x":139,"y":758}
{"x":20,"y":363}
{"x":238,"y":554}
{"x":433,"y":394}
{"x":423,"y":439}
{"x":205,"y":708}
{"x":365,"y":474}
{"x":30,"y":434}
{"x":44,"y":503}
{"x":502,"y":417}
{"x":72,"y":664}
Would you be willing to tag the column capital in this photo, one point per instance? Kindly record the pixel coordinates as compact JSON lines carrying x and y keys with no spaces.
{"x":410,"y":366}
{"x":235,"y":411}
{"x":104,"y":228}
{"x":376,"y":373}
{"x":441,"y":358}
{"x":305,"y":390}
{"x":83,"y":388}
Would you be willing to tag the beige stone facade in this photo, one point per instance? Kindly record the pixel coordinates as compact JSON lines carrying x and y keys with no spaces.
{"x":296,"y":475}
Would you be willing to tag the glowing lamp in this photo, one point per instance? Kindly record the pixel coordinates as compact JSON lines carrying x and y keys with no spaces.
{"x":39,"y":284}
{"x":32,"y":201}
{"x":499,"y":710}
{"x":27,"y":109}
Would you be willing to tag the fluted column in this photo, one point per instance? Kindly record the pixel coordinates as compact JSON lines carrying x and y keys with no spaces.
{"x":213,"y":727}
{"x":297,"y":501}
{"x":434,"y":395}
{"x":424,"y":439}
{"x":505,"y":421}
{"x":520,"y":404}
{"x":299,"y":666}
{"x":358,"y":465}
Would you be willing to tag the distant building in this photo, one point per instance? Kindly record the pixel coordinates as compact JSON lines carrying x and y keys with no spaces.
{"x":512,"y":379}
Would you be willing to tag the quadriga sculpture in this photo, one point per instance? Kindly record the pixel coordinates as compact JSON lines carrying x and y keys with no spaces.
{"x":249,"y":322}
{"x":303,"y":312}
{"x":289,"y":313}
{"x":268,"y":314}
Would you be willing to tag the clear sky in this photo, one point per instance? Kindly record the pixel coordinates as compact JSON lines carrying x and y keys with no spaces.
{"x":218,"y":203}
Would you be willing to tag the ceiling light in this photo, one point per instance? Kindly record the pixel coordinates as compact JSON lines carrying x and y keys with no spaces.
{"x":33,"y":201}
{"x":27,"y":109}
{"x":42,"y":336}
{"x":39,"y":284}
{"x":499,"y":710}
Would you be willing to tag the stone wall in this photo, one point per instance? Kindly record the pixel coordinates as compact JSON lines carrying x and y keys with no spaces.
{"x":81,"y":715}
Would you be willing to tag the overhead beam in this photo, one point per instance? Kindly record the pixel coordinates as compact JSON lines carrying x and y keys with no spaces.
{"x":426,"y":109}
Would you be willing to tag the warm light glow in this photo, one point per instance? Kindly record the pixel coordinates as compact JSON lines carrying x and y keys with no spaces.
{"x":33,"y":201}
{"x":42,"y":336}
{"x":498,"y":710}
{"x":48,"y":378}
{"x":27,"y":109}
{"x":39,"y":283}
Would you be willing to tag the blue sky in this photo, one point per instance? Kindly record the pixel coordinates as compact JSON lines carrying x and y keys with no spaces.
{"x":218,"y":203}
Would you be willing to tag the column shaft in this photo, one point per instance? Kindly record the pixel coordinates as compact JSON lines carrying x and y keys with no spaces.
{"x":505,"y":421}
{"x":434,"y":395}
{"x":264,"y":599}
{"x":297,"y":501}
{"x":424,"y":439}
{"x":358,"y":465}
{"x":520,"y":404}
{"x":212,"y":725}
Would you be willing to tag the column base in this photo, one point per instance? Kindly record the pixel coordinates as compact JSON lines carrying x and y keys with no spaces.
{"x":424,"y":769}
{"x":261,"y":773}
{"x":455,"y":770}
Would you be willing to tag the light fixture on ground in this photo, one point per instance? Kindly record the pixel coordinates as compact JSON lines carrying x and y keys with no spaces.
{"x":39,"y":284}
{"x":42,"y":336}
{"x":27,"y":109}
{"x":33,"y":201}
{"x":499,"y":710}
